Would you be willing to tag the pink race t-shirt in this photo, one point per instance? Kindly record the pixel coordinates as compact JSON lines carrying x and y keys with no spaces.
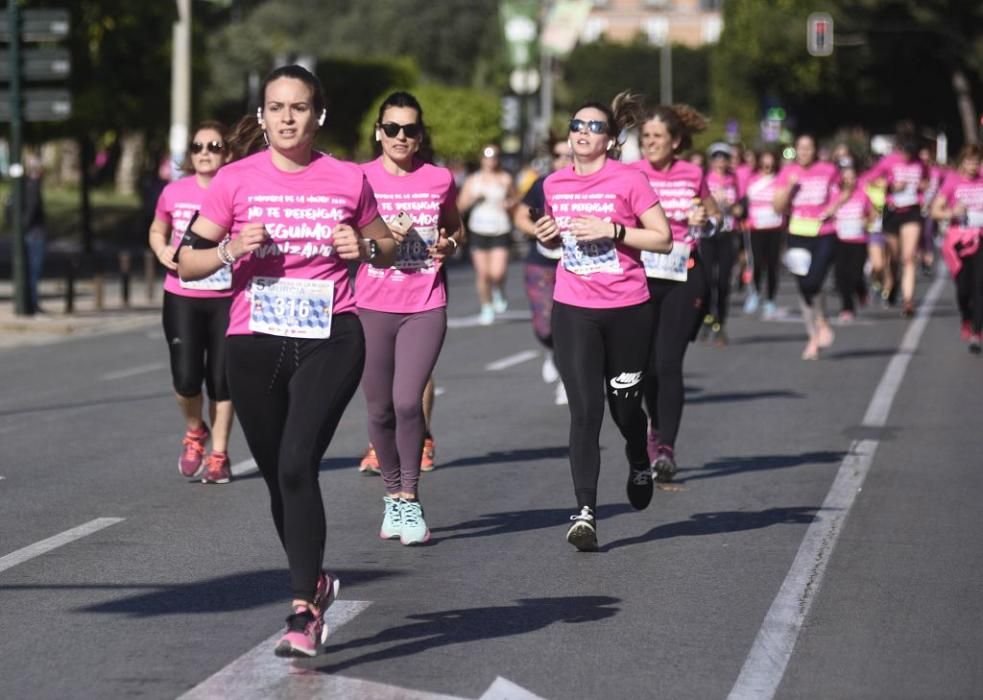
{"x":295,"y":281}
{"x":896,"y":169}
{"x":723,"y":187}
{"x":811,"y":198}
{"x":599,"y":274}
{"x":760,"y":193}
{"x":851,"y":216}
{"x":413,"y":284}
{"x":743,"y":173}
{"x":676,"y":188}
{"x":176,"y":205}
{"x":960,"y":190}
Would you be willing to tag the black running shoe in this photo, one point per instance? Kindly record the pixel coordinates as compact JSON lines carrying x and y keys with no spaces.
{"x":583,"y":533}
{"x":639,"y":486}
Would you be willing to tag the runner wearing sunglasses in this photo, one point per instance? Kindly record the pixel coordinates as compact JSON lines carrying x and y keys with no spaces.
{"x":196,"y":315}
{"x":806,"y":189}
{"x":294,"y":218}
{"x":540,"y":268}
{"x":403,"y":308}
{"x":602,"y":214}
{"x":677,"y":281}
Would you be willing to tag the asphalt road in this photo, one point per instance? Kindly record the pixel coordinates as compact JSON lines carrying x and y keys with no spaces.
{"x":822,"y":539}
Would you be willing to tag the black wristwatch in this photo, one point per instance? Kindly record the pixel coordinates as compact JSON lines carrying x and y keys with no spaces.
{"x":373,"y":249}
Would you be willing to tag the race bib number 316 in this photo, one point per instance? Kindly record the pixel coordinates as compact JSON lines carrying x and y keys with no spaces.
{"x":293,"y":308}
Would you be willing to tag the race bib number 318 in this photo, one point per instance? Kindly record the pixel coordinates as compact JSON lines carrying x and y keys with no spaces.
{"x":293,"y":308}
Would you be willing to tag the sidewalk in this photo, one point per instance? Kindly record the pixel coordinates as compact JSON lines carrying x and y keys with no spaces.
{"x":54,"y":325}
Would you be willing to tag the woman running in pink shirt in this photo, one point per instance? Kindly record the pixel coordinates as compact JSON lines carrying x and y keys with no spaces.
{"x":603,"y":214}
{"x":288,"y":221}
{"x":677,"y":281}
{"x":403,"y":308}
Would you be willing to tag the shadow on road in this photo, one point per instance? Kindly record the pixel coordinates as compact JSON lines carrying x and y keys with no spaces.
{"x":736,"y":396}
{"x":500,"y":456}
{"x":431,"y":631}
{"x":243,"y":591}
{"x":851,"y":354}
{"x":735,"y":465}
{"x":723,"y":521}
{"x":765,"y":339}
{"x":491,"y":524}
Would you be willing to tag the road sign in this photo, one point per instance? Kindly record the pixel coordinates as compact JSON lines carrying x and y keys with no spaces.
{"x":819,"y":34}
{"x":37,"y":25}
{"x":39,"y":105}
{"x":38,"y":64}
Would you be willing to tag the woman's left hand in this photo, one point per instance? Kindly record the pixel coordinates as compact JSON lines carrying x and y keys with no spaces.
{"x":591,"y":228}
{"x":444,"y":247}
{"x":346,"y":242}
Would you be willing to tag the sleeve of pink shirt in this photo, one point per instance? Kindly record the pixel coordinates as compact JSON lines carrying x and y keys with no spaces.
{"x":366,"y":210}
{"x":163,"y":210}
{"x":217,"y":206}
{"x":641,"y":196}
{"x":947,"y":189}
{"x":450,"y":196}
{"x":783,"y":175}
{"x":703,"y":188}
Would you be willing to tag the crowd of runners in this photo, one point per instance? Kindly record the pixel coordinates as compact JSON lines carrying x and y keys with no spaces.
{"x":293,"y":278}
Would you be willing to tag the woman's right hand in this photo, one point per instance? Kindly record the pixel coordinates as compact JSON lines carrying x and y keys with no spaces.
{"x":250,"y":238}
{"x":166,"y":257}
{"x":547,"y":232}
{"x":697,"y":215}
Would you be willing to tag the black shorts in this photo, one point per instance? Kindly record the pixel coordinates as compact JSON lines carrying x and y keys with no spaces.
{"x":478,"y":241}
{"x":894,"y":219}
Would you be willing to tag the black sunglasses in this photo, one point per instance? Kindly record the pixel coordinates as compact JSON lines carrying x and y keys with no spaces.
{"x":594,"y":126}
{"x":212,"y":146}
{"x":391,"y":129}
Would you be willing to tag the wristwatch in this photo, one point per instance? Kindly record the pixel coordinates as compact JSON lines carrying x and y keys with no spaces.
{"x":373,"y":249}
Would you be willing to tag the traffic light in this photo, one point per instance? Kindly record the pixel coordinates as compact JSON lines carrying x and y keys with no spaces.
{"x":819,"y":34}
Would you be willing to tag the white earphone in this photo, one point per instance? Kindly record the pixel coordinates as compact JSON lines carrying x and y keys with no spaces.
{"x":259,"y":116}
{"x":321,"y":116}
{"x":378,"y":136}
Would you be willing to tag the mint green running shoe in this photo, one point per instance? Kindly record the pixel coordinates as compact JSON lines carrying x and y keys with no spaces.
{"x":414,"y":526}
{"x":392,"y":521}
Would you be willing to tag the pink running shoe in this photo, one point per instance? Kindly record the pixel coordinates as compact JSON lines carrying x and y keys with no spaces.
{"x":652,"y":445}
{"x":664,"y":464}
{"x":302,"y":635}
{"x":965,"y":330}
{"x":325,"y":594}
{"x":217,"y":469}
{"x":194,"y":450}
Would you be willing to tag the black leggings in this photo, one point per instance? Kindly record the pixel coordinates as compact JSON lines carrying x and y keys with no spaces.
{"x":823,"y":248}
{"x":677,"y":312}
{"x":600,"y":351}
{"x":289,"y":395}
{"x":969,"y":290}
{"x":766,"y":249}
{"x":850,"y":259}
{"x":718,"y":256}
{"x":195,"y":331}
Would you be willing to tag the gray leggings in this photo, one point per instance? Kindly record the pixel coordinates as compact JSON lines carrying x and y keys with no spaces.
{"x":400,"y":353}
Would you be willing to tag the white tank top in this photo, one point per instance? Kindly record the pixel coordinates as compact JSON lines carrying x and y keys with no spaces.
{"x":489,"y":217}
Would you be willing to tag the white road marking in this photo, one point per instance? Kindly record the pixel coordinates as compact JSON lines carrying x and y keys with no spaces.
{"x":512,"y":360}
{"x":258,"y":674}
{"x":44,"y":546}
{"x":132,"y":371}
{"x":765,"y":665}
{"x":246,"y":466}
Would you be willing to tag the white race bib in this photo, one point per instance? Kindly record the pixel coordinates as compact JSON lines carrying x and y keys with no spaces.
{"x":907,"y":197}
{"x":219,"y":280}
{"x":414,"y":252}
{"x":850,"y":230}
{"x":764,"y":216}
{"x":588,"y":257}
{"x":294,"y":308}
{"x":974,"y":218}
{"x":668,"y":266}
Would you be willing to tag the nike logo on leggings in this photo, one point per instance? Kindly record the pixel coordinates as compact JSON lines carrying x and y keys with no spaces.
{"x":626,"y":380}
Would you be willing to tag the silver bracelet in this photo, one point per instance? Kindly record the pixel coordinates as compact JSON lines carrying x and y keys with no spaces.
{"x":224,"y":255}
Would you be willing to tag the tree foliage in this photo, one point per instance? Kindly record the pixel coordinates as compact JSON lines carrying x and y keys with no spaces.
{"x":894,"y":60}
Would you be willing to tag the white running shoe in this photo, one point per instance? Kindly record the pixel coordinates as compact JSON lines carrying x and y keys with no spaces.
{"x":550,"y":373}
{"x":560,"y":397}
{"x":486,"y":316}
{"x":392,"y":522}
{"x":499,"y":303}
{"x":583,"y":533}
{"x":414,"y":527}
